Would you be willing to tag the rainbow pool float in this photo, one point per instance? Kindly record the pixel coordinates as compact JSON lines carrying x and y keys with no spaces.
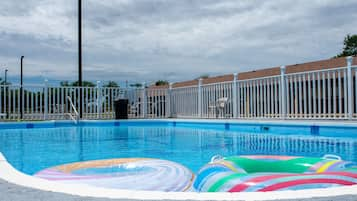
{"x":274,"y":173}
{"x":125,"y":173}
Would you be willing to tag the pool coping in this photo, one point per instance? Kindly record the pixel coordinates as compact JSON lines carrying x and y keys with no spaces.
{"x":10,"y":174}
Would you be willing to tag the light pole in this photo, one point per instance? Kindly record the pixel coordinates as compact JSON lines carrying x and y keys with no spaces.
{"x":5,"y":76}
{"x":21,"y":89}
{"x":80,"y":56}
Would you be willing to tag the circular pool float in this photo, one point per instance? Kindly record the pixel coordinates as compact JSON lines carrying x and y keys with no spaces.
{"x":274,"y":173}
{"x":125,"y":173}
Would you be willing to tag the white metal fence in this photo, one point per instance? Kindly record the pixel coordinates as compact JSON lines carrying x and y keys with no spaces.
{"x":46,"y":102}
{"x":323,"y":94}
{"x":185,"y":102}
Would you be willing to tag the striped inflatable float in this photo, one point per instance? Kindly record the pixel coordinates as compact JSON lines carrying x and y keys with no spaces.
{"x":274,"y":173}
{"x":125,"y":173}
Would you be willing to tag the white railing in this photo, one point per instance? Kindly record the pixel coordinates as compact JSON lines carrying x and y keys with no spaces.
{"x":259,"y":98}
{"x":217,"y":100}
{"x":323,"y":94}
{"x":318,"y":94}
{"x":184,"y":102}
{"x":47,"y":102}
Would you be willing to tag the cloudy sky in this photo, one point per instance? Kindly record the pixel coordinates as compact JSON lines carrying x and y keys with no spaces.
{"x":147,"y":40}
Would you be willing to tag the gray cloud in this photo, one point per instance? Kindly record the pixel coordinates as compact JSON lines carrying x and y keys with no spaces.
{"x":165,"y":39}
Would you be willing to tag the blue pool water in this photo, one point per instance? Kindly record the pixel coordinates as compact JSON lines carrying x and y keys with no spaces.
{"x":32,"y":147}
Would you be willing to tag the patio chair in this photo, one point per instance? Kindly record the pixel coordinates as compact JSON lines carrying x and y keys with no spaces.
{"x":96,"y":104}
{"x":3,"y":115}
{"x":218,"y":107}
{"x":134,"y":109}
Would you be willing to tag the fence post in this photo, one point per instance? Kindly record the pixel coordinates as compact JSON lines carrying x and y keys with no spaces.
{"x":199,"y":98}
{"x":169,"y":101}
{"x":349,"y":86}
{"x":98,"y":100}
{"x":282,"y":92}
{"x":46,"y":100}
{"x":144,"y":101}
{"x":235,"y":98}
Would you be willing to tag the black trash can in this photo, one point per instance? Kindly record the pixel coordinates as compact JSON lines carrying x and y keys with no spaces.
{"x":121,"y":109}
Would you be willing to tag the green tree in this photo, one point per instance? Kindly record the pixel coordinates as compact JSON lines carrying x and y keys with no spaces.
{"x":161,"y":83}
{"x":84,"y":84}
{"x":349,"y":46}
{"x":65,"y":84}
{"x":136,"y":85}
{"x":204,"y":76}
{"x":111,"y":84}
{"x":2,"y":82}
{"x":75,"y":84}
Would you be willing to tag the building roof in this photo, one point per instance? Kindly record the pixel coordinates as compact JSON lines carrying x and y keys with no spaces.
{"x":266,"y":72}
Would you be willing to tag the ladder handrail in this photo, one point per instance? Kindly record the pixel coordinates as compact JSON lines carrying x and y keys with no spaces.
{"x":74,"y":109}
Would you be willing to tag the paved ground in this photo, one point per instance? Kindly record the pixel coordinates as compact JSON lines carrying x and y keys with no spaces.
{"x":11,"y":192}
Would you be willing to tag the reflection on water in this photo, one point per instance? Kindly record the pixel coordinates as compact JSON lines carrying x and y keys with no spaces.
{"x":31,"y":150}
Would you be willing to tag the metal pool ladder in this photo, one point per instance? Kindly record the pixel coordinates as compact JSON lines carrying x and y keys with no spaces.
{"x":74,"y":117}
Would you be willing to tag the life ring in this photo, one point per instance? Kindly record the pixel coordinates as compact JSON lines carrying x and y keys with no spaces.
{"x":125,"y":173}
{"x":274,"y":173}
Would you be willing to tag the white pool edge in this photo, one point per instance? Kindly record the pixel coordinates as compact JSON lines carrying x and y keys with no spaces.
{"x":10,"y":174}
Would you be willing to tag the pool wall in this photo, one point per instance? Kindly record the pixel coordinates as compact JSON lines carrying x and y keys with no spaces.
{"x":328,"y":128}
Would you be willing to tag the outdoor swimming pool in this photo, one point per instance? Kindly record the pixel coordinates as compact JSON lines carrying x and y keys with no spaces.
{"x":31,"y":147}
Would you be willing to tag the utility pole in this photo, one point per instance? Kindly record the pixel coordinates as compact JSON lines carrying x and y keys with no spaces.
{"x":80,"y":56}
{"x":5,"y":76}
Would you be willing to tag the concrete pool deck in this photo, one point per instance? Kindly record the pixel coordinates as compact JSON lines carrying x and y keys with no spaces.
{"x":12,"y":192}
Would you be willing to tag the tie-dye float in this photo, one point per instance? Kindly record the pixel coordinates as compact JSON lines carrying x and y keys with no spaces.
{"x":125,"y":173}
{"x":274,"y":173}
